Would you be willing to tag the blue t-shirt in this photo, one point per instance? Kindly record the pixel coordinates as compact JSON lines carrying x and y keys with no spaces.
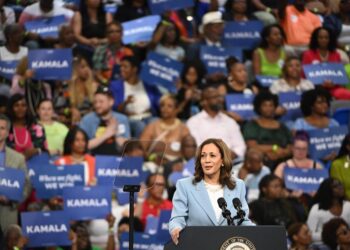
{"x":302,"y":124}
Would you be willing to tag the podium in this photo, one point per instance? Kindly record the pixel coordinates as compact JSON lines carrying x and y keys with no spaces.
{"x":229,"y":237}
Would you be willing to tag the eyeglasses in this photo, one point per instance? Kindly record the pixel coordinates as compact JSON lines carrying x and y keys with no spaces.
{"x":159,"y":184}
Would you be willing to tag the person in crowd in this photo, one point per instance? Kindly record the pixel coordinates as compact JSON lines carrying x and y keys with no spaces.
{"x":298,"y":23}
{"x":131,"y":10}
{"x":67,"y":40}
{"x":266,"y":133}
{"x":24,"y":84}
{"x":314,"y":105}
{"x":323,"y":45}
{"x":336,"y":234}
{"x":26,"y":136}
{"x":166,"y":41}
{"x":108,"y":56}
{"x":291,"y":80}
{"x":189,"y":94}
{"x":107,"y":130}
{"x":340,"y":168}
{"x":343,"y":15}
{"x":266,"y":11}
{"x":81,"y":89}
{"x":7,"y":18}
{"x":14,"y":238}
{"x":154,"y":202}
{"x":237,"y":11}
{"x":212,"y":122}
{"x":195,"y":199}
{"x":251,"y":171}
{"x":133,"y":97}
{"x":272,"y":208}
{"x":300,"y":236}
{"x":3,"y":104}
{"x":123,"y":227}
{"x":12,"y":49}
{"x":10,"y":158}
{"x":269,"y":58}
{"x":55,"y":131}
{"x":90,"y":23}
{"x":75,"y":151}
{"x":167,"y":129}
{"x":329,"y":202}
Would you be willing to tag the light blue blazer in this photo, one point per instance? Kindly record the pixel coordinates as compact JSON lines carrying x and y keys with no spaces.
{"x":192,"y":206}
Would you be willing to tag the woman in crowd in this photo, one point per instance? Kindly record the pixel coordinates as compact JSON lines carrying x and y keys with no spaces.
{"x":236,"y":10}
{"x":154,"y":202}
{"x":272,"y":208}
{"x":55,"y":131}
{"x":13,"y":238}
{"x":266,"y":133}
{"x":291,"y":80}
{"x":166,"y":41}
{"x":139,"y":101}
{"x":336,"y":234}
{"x":75,"y":152}
{"x":188,"y":94}
{"x":269,"y":58}
{"x":195,"y":196}
{"x":300,"y":236}
{"x":328,"y":203}
{"x":13,"y":51}
{"x":340,"y":168}
{"x":26,"y":136}
{"x":167,"y":129}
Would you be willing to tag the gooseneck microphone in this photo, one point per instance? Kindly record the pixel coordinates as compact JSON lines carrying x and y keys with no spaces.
{"x":225,"y":212}
{"x":237,"y":204}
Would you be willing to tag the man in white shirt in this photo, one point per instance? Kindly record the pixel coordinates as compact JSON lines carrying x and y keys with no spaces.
{"x":211,"y":122}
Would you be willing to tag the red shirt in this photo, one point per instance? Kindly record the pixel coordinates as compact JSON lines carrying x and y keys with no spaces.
{"x":313,"y":57}
{"x":150,"y":209}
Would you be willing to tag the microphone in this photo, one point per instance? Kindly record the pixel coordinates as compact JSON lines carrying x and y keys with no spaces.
{"x":225,"y":212}
{"x":240,"y":213}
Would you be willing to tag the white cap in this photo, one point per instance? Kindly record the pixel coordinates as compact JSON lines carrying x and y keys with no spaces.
{"x":211,"y":17}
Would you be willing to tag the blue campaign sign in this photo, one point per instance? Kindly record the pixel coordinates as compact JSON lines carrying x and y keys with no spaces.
{"x":174,"y":177}
{"x":189,"y":168}
{"x":51,"y":64}
{"x":12,"y":183}
{"x":266,"y":81}
{"x":307,"y":180}
{"x":49,"y":180}
{"x":318,"y":73}
{"x":123,"y":197}
{"x":111,"y":8}
{"x":129,"y":172}
{"x":141,"y":241}
{"x":291,"y":102}
{"x":214,"y":57}
{"x":160,"y":6}
{"x":161,"y":70}
{"x":140,"y":30}
{"x":163,"y":235}
{"x":151,"y":225}
{"x":46,"y":27}
{"x":46,"y":229}
{"x":243,"y":34}
{"x":325,"y":141}
{"x":106,"y":169}
{"x":43,"y":158}
{"x":8,"y":69}
{"x":86,"y":203}
{"x":241,"y":104}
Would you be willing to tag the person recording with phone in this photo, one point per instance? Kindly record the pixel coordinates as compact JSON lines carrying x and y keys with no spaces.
{"x":198,"y":200}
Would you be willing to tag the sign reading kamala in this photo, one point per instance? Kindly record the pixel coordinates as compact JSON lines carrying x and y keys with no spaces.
{"x":243,"y":34}
{"x":291,"y":102}
{"x":160,"y":6}
{"x":307,"y":180}
{"x":46,"y":27}
{"x":318,"y":73}
{"x":266,"y":81}
{"x":163,"y":226}
{"x":214,"y":57}
{"x":49,"y":180}
{"x":161,"y":70}
{"x":241,"y":104}
{"x":128,"y":172}
{"x":325,"y":141}
{"x":8,"y":69}
{"x":51,"y":64}
{"x":12,"y":183}
{"x":86,"y":203}
{"x":46,"y":228}
{"x":141,"y":242}
{"x":140,"y":30}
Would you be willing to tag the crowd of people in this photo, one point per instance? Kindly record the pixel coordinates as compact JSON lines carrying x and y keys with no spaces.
{"x":99,"y":112}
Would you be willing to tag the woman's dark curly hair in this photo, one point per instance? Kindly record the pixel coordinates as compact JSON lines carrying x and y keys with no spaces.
{"x":264,"y":96}
{"x":343,"y":149}
{"x":265,"y":33}
{"x":198,"y":66}
{"x":69,"y":140}
{"x":308,"y":99}
{"x":11,"y":113}
{"x":329,"y":232}
{"x":314,"y":39}
{"x":324,"y":195}
{"x":225,"y":170}
{"x":265,"y":182}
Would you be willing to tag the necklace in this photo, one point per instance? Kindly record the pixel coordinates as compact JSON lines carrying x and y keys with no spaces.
{"x":325,"y":57}
{"x":347,"y":164}
{"x":17,"y":141}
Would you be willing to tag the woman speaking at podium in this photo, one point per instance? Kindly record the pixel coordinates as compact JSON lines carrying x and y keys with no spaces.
{"x":195,"y":202}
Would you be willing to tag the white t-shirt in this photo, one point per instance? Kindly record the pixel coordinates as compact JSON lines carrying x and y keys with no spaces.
{"x":6,"y":55}
{"x":141,"y":101}
{"x":215,"y":192}
{"x":344,"y":37}
{"x":10,"y":19}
